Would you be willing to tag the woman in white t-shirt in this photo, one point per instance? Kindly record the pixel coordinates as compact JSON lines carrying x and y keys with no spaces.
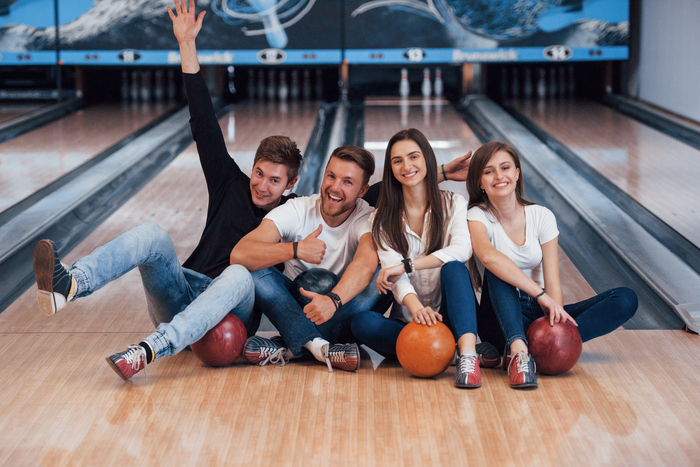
{"x":516,"y":241}
{"x":422,"y":239}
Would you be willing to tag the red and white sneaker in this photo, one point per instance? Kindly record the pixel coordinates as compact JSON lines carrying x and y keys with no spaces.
{"x":126,"y":364}
{"x":521,"y":371}
{"x":468,"y":372}
{"x":344,"y":357}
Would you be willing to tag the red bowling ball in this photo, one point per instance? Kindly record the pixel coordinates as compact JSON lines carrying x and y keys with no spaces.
{"x":556,"y":349}
{"x":223,"y":343}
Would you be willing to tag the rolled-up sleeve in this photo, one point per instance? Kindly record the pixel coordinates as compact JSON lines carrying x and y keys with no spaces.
{"x":457,"y":238}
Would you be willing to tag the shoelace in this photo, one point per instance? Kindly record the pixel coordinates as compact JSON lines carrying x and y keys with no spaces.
{"x":275,"y":356}
{"x":523,"y":360}
{"x":134,"y":355}
{"x":467,"y":364}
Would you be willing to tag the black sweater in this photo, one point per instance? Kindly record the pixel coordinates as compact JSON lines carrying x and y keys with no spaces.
{"x":231,"y":213}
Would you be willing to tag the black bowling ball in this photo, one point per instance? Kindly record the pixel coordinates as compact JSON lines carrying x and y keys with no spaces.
{"x":317,"y":280}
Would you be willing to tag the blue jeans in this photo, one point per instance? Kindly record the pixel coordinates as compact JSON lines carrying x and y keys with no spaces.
{"x":183,"y":304}
{"x":458,"y":310}
{"x":273,"y":297}
{"x":506,"y":312}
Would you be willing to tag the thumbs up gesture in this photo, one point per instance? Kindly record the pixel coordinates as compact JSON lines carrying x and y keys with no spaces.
{"x":311,"y":249}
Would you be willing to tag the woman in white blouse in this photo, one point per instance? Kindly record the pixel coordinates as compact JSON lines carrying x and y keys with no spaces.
{"x":516,"y":241}
{"x":422,"y":239}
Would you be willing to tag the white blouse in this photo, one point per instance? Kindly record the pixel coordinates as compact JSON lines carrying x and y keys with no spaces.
{"x":425,"y":283}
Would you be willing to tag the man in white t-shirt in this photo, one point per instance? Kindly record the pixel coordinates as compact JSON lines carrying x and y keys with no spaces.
{"x":327,"y":230}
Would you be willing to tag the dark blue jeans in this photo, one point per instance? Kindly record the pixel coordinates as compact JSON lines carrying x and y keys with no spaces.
{"x":273,"y":297}
{"x":458,"y":310}
{"x":505,"y":312}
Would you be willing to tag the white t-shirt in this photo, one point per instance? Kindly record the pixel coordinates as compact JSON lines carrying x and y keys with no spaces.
{"x":540,"y":228}
{"x":299,"y":217}
{"x":456,"y":246}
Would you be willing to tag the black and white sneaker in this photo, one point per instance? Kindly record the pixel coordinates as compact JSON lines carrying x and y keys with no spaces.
{"x":52,"y":278}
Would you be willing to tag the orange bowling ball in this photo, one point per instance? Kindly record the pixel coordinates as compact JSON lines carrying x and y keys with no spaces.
{"x":425,"y":351}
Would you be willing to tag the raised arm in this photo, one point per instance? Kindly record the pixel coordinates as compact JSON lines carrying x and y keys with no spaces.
{"x":355,"y":279}
{"x":186,"y":28}
{"x":262,"y":249}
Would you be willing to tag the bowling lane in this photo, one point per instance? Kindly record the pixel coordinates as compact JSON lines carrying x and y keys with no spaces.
{"x":37,"y":158}
{"x":12,"y":110}
{"x":177,"y":200}
{"x":450,"y":137}
{"x":656,"y":170}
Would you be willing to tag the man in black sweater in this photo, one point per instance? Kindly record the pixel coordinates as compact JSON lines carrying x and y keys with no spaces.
{"x":184,"y":302}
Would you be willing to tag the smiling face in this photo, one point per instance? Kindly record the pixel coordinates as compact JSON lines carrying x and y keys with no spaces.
{"x":267,"y":184}
{"x":342,"y":185}
{"x":408,"y":163}
{"x":500,"y":176}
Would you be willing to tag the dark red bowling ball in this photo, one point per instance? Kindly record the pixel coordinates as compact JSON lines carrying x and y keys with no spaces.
{"x":556,"y":349}
{"x":223,"y":343}
{"x":425,"y":351}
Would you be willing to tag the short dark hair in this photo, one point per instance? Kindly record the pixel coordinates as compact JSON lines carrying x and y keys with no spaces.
{"x":280,"y":150}
{"x":359,"y":156}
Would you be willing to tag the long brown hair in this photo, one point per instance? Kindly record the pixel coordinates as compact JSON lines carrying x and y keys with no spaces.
{"x":477,"y":196}
{"x":388,"y":218}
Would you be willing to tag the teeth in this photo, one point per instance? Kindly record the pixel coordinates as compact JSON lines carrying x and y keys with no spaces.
{"x":333,"y":198}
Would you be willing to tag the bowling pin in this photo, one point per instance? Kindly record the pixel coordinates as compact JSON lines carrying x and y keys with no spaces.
{"x":261,"y":85}
{"x":134,"y":86}
{"x":437,"y":85}
{"x":251,"y":83}
{"x":283,"y":89}
{"x":231,"y":127}
{"x":527,"y":84}
{"x":306,"y":88}
{"x":319,"y":85}
{"x":125,"y":86}
{"x":146,"y":87}
{"x":271,"y":89}
{"x":159,"y":88}
{"x":426,"y":87}
{"x":572,"y":81}
{"x":552,"y":82}
{"x":562,"y":82}
{"x":294,"y":89}
{"x":171,"y":85}
{"x":403,"y":105}
{"x":504,"y":83}
{"x":541,"y":84}
{"x":404,"y":87}
{"x":425,"y":104}
{"x":515,"y":84}
{"x":231,"y":83}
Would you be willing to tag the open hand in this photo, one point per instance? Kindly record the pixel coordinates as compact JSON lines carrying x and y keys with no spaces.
{"x":554,"y":310}
{"x":426,"y":315}
{"x":458,"y":169}
{"x":185,"y":26}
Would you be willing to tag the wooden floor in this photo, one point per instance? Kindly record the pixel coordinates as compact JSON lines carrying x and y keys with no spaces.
{"x":633,"y":398}
{"x":658,"y":171}
{"x":33,"y":160}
